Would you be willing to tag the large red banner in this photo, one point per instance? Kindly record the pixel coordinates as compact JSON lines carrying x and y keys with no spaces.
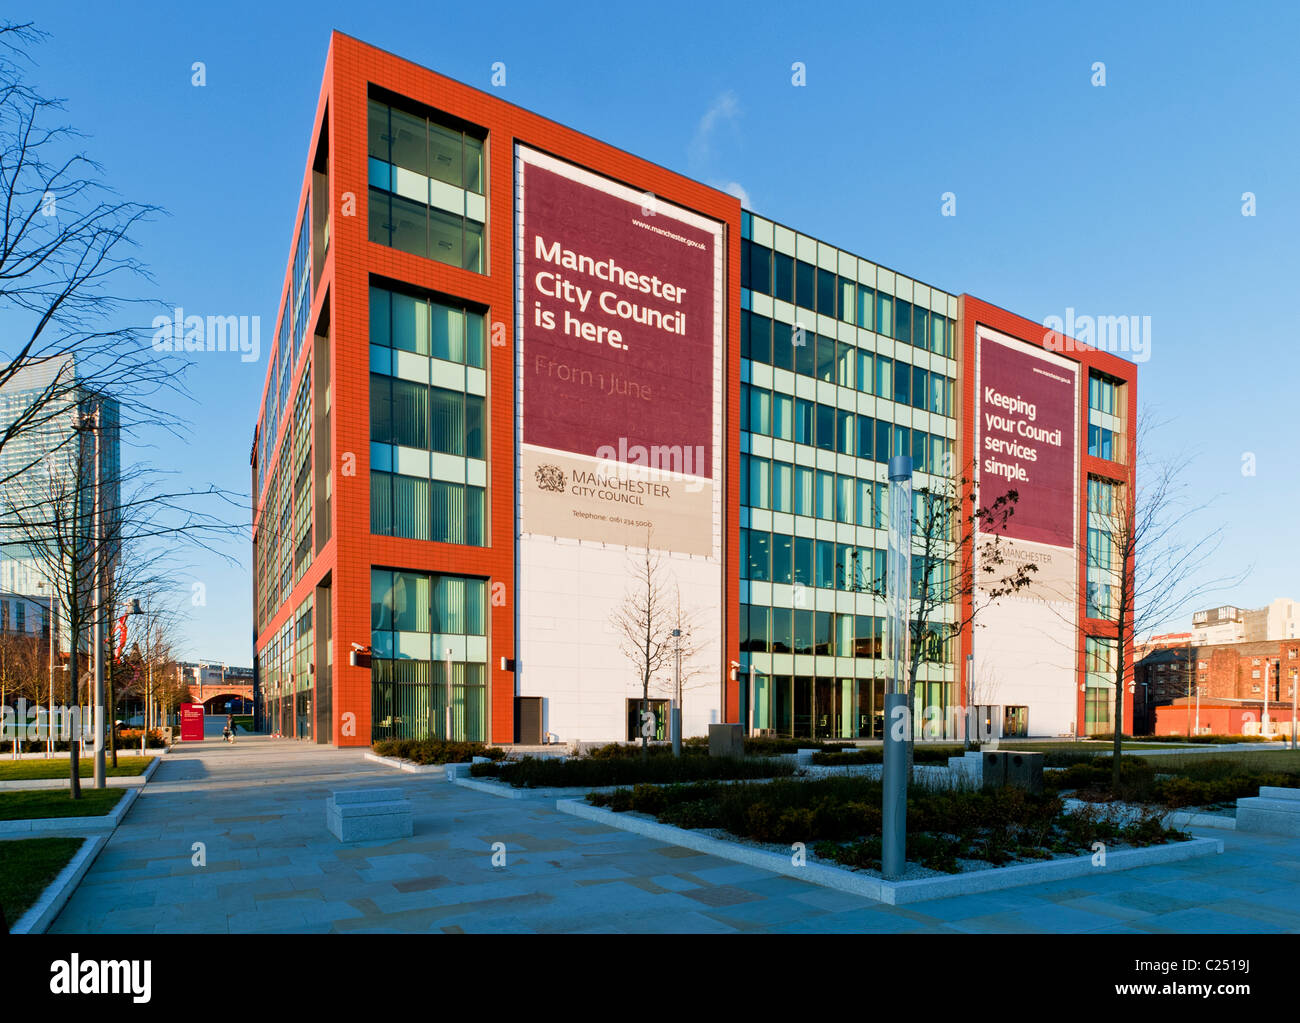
{"x":618,"y":324}
{"x":1026,"y":432}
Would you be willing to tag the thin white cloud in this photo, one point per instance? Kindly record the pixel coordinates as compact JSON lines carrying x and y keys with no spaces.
{"x":725,"y":109}
{"x":738,"y":190}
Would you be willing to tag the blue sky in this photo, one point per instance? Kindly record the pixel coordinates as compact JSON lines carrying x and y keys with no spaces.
{"x":1120,"y":200}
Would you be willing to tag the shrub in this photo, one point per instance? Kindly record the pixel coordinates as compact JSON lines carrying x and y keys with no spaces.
{"x":435,"y":751}
{"x":531,"y":772}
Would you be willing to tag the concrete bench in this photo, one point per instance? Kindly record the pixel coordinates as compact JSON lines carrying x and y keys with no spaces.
{"x":361,"y":815}
{"x":1269,"y":815}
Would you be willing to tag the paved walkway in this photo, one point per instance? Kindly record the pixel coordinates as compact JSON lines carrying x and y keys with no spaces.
{"x":258,"y":807}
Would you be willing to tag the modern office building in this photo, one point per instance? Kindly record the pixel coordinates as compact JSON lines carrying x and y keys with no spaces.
{"x":526,"y":385}
{"x":50,"y":460}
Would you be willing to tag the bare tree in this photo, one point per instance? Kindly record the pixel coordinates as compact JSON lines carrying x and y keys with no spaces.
{"x":959,"y":568}
{"x":683,"y":671}
{"x":65,"y":241}
{"x":1149,"y":545}
{"x":643,"y":622}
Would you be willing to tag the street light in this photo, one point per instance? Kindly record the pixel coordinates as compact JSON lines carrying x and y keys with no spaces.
{"x":898,"y":590}
{"x":91,"y":422}
{"x":136,"y":609}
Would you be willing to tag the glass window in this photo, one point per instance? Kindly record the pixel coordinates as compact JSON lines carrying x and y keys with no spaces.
{"x":844,"y":432}
{"x":866,"y":430}
{"x":848,"y":300}
{"x":920,"y":388}
{"x":804,"y":424}
{"x":803,"y":491}
{"x":782,"y":558}
{"x":410,"y":414}
{"x":409,"y":149}
{"x":826,"y":359}
{"x":783,"y":416}
{"x":783,"y":277}
{"x":844,"y":499}
{"x":805,"y":285}
{"x":938,"y":334}
{"x":380,"y":317}
{"x":760,"y":410}
{"x":448,"y":421}
{"x":847,"y":357}
{"x":760,"y":556}
{"x":410,"y":226}
{"x":864,"y":503}
{"x":760,"y":268}
{"x":826,"y":427}
{"x":920,"y":327}
{"x":803,"y":560}
{"x":884,"y":430}
{"x":805,"y":350}
{"x":903,"y":321}
{"x":866,"y":308}
{"x":473,"y":426}
{"x":803,"y":631}
{"x":825,"y":495}
{"x":783,"y":346}
{"x":825,"y":565}
{"x":902,"y":441}
{"x":866,"y":371}
{"x":760,"y":337}
{"x":884,"y":377}
{"x":381,"y":409}
{"x":902,"y":383}
{"x":410,"y":324}
{"x":885,"y":314}
{"x":782,"y":486}
{"x":474,"y":340}
{"x":782,"y":630}
{"x":826,"y":288}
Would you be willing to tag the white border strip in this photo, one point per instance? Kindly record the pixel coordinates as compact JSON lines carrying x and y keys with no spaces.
{"x":45,"y":909}
{"x":894,"y":893}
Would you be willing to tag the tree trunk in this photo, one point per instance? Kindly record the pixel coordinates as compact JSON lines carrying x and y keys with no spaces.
{"x":112,"y":715}
{"x":1119,"y":697}
{"x":74,"y":700}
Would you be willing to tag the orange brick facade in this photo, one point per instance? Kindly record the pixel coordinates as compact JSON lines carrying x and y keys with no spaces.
{"x":341,"y":299}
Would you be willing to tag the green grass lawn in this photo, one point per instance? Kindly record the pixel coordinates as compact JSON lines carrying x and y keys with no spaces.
{"x":39,"y":803}
{"x":1042,"y":746}
{"x":1283,"y":760}
{"x":57,"y":767}
{"x":27,"y":866}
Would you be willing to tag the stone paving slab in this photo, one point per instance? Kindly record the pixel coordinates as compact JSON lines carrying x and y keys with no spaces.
{"x":272,"y":867}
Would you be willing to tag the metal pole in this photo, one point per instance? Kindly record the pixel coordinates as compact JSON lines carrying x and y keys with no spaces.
{"x":750,"y":699}
{"x":1263,"y":725}
{"x":98,"y":519}
{"x":1295,"y":683}
{"x":54,"y":650}
{"x":898,"y":725}
{"x":448,"y":680}
{"x":1196,"y":730}
{"x":677,"y":696}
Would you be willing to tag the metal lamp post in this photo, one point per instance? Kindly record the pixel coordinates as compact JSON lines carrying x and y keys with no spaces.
{"x":677,"y":695}
{"x":898,"y":726}
{"x":92,"y":423}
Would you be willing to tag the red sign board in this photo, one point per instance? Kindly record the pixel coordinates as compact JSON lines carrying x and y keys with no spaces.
{"x":1027,"y":431}
{"x":619,"y":322}
{"x":191,"y":722}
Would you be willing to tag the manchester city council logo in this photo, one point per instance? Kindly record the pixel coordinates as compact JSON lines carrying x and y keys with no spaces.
{"x":550,"y":477}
